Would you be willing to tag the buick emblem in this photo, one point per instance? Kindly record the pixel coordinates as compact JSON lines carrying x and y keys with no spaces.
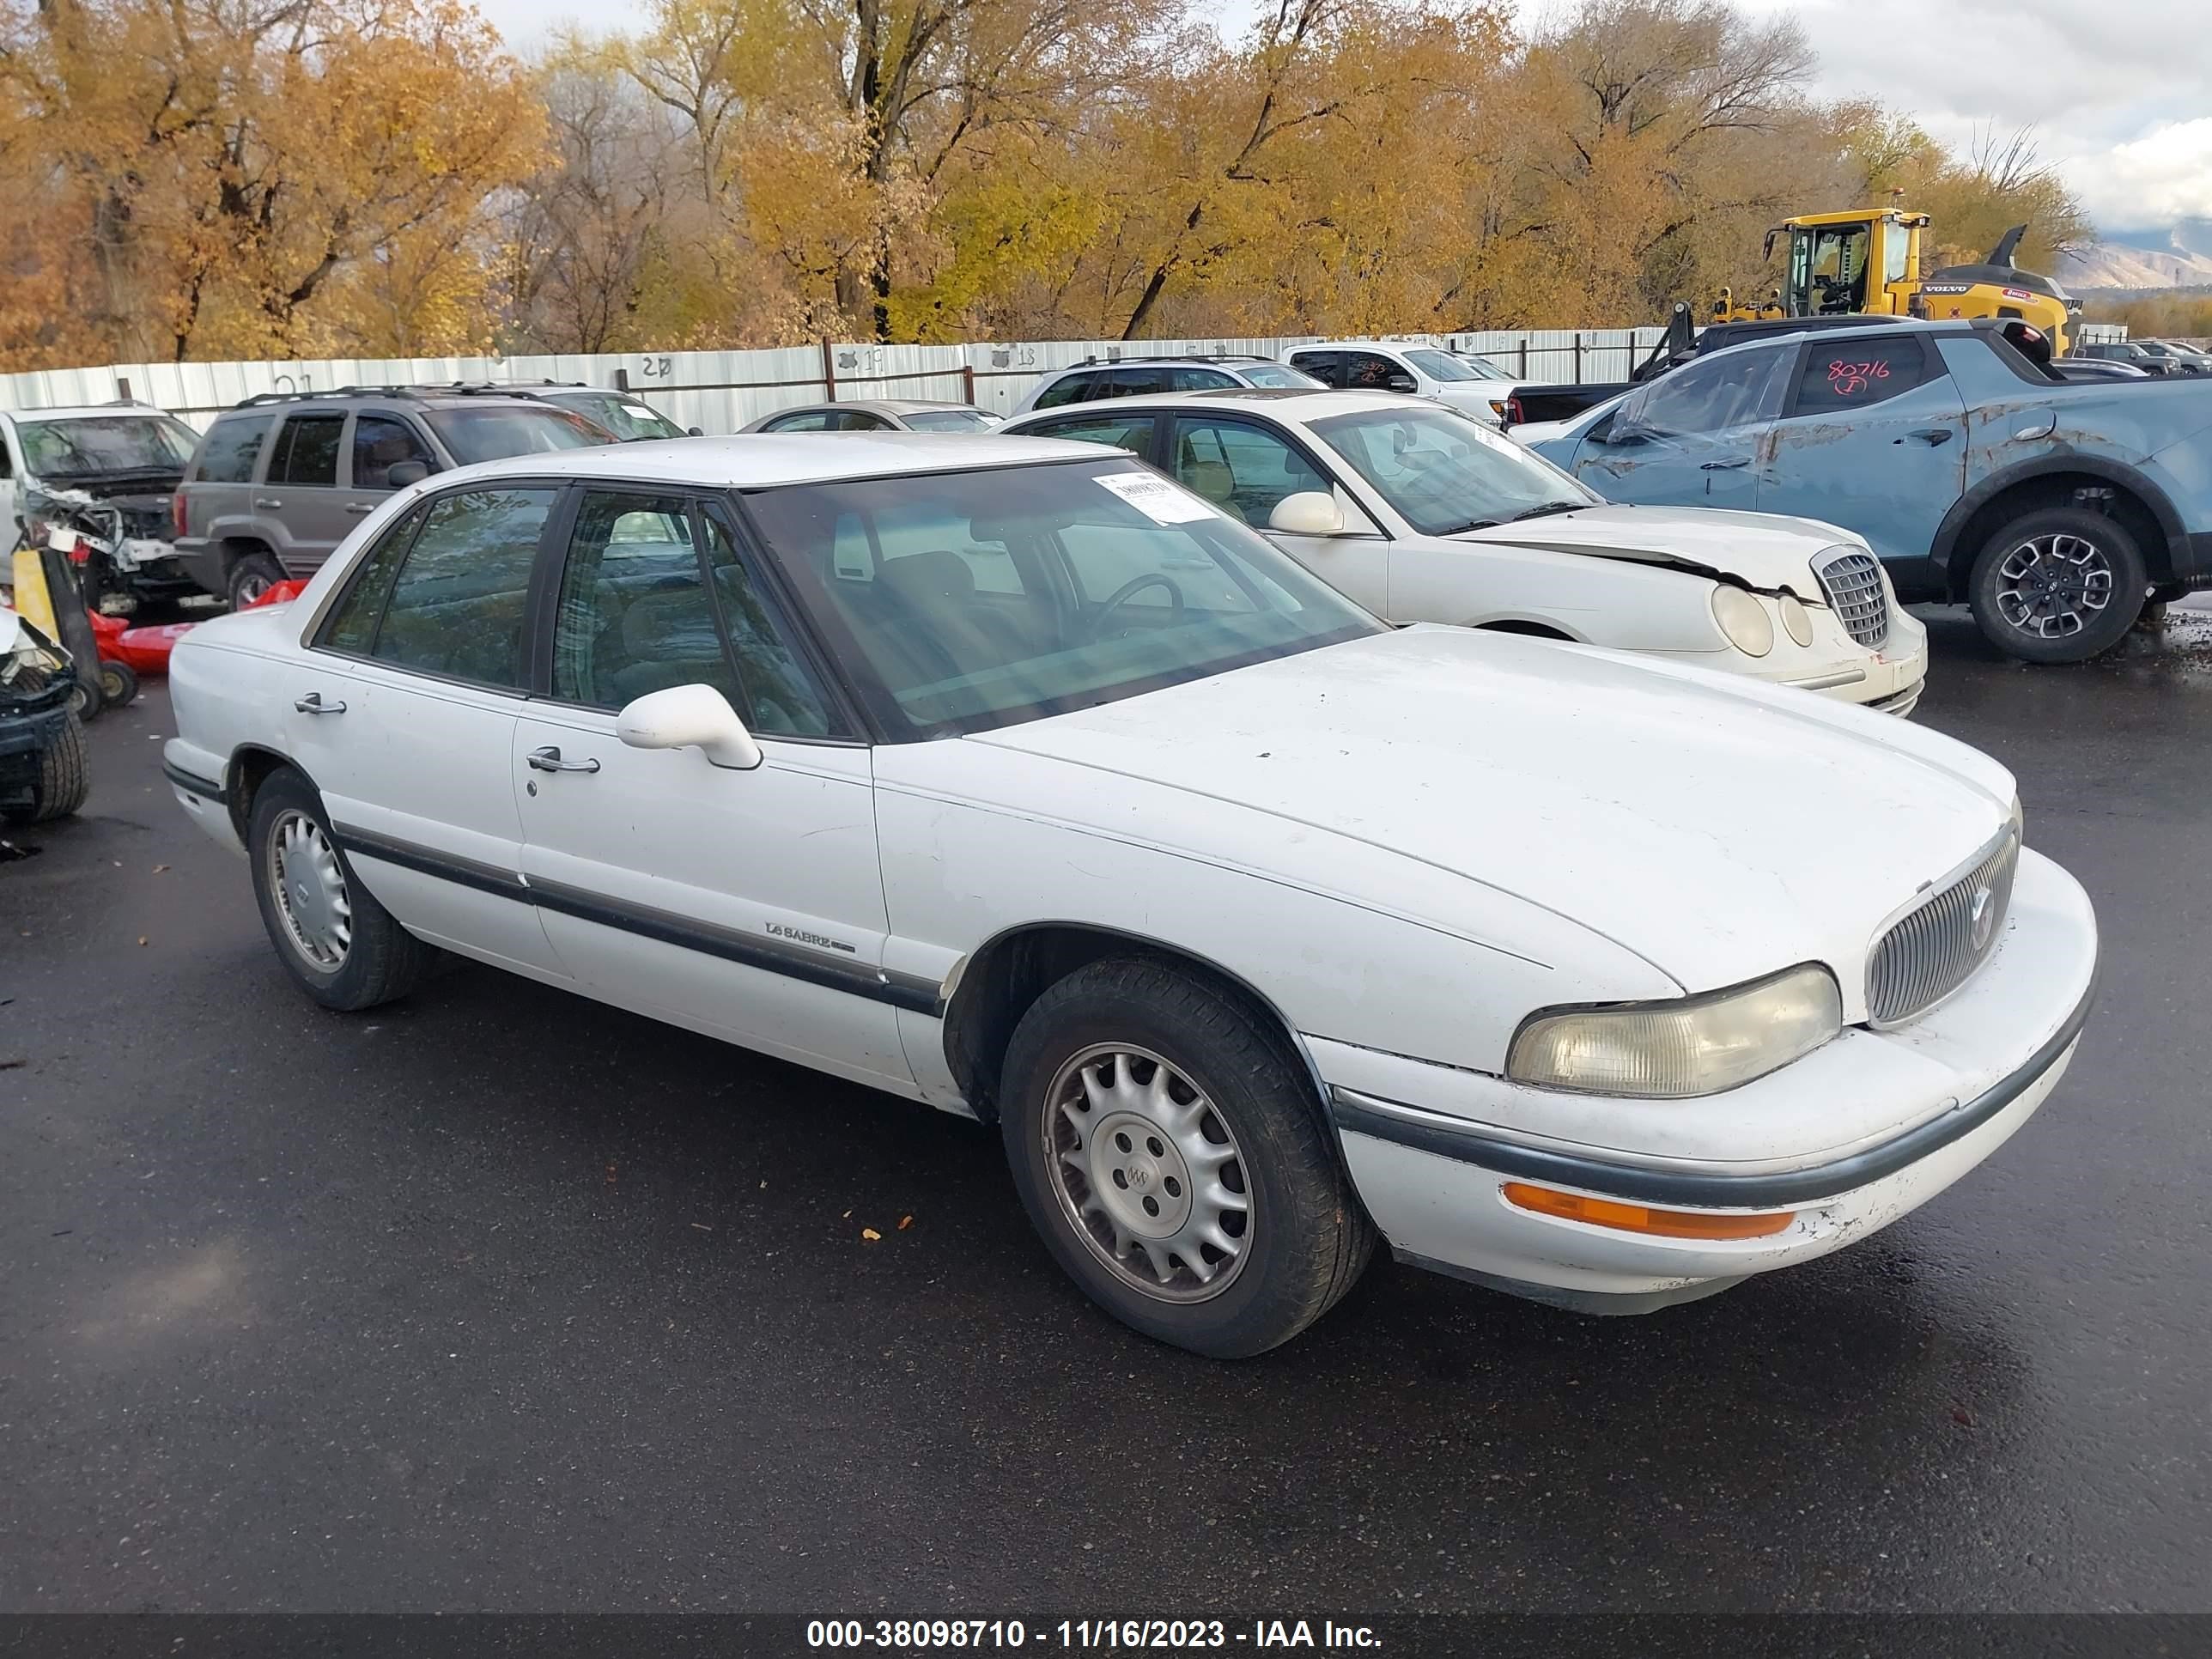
{"x":1983,"y":917}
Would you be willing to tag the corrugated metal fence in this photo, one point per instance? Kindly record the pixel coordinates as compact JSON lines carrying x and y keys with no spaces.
{"x":722,"y":391}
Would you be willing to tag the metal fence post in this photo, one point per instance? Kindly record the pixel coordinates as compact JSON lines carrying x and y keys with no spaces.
{"x":123,"y":387}
{"x":968,"y":382}
{"x":1578,"y":354}
{"x":829,"y":373}
{"x":622,"y":380}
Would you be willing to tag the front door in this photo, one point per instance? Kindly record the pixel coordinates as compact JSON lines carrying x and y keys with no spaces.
{"x":1245,"y":467}
{"x":405,"y":720}
{"x":745,"y":904}
{"x":300,"y":498}
{"x":1874,"y":439}
{"x":1691,"y":438}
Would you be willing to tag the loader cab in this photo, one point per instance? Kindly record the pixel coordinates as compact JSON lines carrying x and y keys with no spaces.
{"x":1848,"y":264}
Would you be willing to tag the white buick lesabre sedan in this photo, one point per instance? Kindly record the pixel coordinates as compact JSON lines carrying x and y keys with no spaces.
{"x":1423,"y":515}
{"x":1010,"y":776}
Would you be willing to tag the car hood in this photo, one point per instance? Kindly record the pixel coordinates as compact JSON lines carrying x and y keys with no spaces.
{"x":1762,"y":549}
{"x":1718,"y":831}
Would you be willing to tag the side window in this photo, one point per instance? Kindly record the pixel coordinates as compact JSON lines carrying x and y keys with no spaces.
{"x":7,"y":464}
{"x":814,"y":420}
{"x":1713,"y":395}
{"x":1131,"y":432}
{"x":782,"y":698}
{"x":634,"y":617}
{"x":1327,"y":367}
{"x":1242,"y":470}
{"x":307,"y":451}
{"x":351,"y":625}
{"x":1067,"y":389}
{"x":232,"y":447}
{"x":458,"y":604}
{"x":1136,"y":383}
{"x":1198,"y":379}
{"x":381,"y":442}
{"x":1371,"y":371}
{"x":1853,"y":374}
{"x":856,"y":420}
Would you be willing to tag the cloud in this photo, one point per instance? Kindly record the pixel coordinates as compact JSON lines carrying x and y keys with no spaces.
{"x":2165,"y":175}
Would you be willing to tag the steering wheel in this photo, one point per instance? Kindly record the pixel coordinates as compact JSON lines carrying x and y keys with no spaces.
{"x":1136,"y":585}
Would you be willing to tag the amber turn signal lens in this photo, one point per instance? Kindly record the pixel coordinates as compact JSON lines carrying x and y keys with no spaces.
{"x":1636,"y":1218}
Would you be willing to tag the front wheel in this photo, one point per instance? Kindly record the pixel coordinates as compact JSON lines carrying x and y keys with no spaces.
{"x":1168,"y":1148}
{"x":2060,"y":585}
{"x":341,"y":946}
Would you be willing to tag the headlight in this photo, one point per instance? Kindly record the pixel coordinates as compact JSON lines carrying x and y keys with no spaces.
{"x":1743,"y":619}
{"x":1698,"y":1045}
{"x":1796,"y":619}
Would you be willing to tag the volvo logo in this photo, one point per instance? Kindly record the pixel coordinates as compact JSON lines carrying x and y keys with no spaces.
{"x":1983,"y":917}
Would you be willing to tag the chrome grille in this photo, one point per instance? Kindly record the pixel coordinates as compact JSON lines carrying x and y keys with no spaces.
{"x":1852,"y":582}
{"x":1934,"y":949}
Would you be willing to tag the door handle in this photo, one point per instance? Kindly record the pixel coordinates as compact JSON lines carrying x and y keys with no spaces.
{"x":312,"y":704}
{"x":358,"y":508}
{"x":267,"y":501}
{"x":1932,"y":436}
{"x":1728,"y":466}
{"x":548,"y":759}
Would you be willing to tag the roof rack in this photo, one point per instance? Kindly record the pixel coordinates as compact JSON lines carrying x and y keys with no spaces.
{"x":1173,"y":357}
{"x":260,"y":397}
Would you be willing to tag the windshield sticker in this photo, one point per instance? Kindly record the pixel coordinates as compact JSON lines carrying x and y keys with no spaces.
{"x":1155,"y":498}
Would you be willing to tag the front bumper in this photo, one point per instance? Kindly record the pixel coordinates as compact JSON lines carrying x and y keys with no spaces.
{"x":1915,"y":1108}
{"x":1890,"y":679}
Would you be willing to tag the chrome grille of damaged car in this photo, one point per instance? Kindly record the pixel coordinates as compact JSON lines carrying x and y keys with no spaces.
{"x":1852,"y":582}
{"x":1935,"y":948}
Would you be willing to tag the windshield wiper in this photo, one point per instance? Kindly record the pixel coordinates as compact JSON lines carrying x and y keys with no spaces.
{"x":1548,"y":510}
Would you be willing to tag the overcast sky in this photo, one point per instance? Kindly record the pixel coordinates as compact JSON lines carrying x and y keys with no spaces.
{"x":2120,"y":93}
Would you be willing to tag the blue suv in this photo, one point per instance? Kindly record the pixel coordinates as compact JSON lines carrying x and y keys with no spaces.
{"x":2055,"y":509}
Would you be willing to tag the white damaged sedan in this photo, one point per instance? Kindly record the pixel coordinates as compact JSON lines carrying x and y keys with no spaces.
{"x":1422,"y":515}
{"x":1008,"y":776}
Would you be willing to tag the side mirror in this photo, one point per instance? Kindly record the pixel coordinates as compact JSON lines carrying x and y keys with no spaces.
{"x":400,"y":474}
{"x":696,"y":431}
{"x":689,"y":717}
{"x":1308,"y":512}
{"x":1399,"y":380}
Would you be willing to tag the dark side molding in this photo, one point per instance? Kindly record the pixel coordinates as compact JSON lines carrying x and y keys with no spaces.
{"x":1435,"y":1132}
{"x":193,"y":784}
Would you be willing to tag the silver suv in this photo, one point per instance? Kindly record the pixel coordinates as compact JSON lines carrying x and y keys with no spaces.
{"x":1095,"y":377}
{"x":278,"y":481}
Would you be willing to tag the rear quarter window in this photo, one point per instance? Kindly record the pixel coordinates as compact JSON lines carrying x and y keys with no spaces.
{"x":231,"y":447}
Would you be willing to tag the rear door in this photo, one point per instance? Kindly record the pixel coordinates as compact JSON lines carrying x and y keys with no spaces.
{"x":746,"y":904}
{"x":1691,"y":437}
{"x":1873,"y":438}
{"x":404,"y":718}
{"x":1327,"y":367}
{"x":300,"y":499}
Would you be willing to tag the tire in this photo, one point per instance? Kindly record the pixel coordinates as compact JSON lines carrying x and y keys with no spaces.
{"x":118,"y":683}
{"x":1102,"y":1036}
{"x":347,"y":955}
{"x":63,"y":779}
{"x":252,"y":576}
{"x":2059,"y":585}
{"x":85,"y":703}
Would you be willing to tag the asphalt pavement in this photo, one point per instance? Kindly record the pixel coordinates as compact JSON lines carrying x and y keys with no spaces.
{"x":500,"y":1299}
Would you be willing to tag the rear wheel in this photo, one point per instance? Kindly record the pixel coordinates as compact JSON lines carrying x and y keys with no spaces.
{"x":252,"y":576}
{"x":63,"y":781}
{"x":2059,"y":585}
{"x":1168,"y":1148}
{"x":344,"y":948}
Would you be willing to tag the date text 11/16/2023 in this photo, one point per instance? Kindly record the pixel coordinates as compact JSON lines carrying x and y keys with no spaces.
{"x":1164,"y":1635}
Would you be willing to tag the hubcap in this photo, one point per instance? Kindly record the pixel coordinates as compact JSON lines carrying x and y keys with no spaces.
{"x":2054,"y":586}
{"x":311,"y":890}
{"x":1148,"y":1172}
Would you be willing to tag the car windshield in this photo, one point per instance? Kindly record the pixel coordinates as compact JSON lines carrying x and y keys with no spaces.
{"x":494,"y":434}
{"x":627,"y":418}
{"x":1279,"y":377}
{"x":968,"y":600}
{"x":1444,"y":474}
{"x":1483,"y":367}
{"x":949,"y":419}
{"x":1442,"y":366}
{"x":106,"y":443}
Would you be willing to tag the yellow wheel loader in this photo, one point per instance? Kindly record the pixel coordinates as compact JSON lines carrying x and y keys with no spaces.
{"x":1868,"y":263}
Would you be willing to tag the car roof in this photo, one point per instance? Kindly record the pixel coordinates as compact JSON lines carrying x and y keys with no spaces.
{"x":762,"y":461}
{"x":85,"y":412}
{"x":1228,"y":360}
{"x":426,"y":396}
{"x":1294,"y":403}
{"x":1887,"y":328}
{"x":878,"y":406}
